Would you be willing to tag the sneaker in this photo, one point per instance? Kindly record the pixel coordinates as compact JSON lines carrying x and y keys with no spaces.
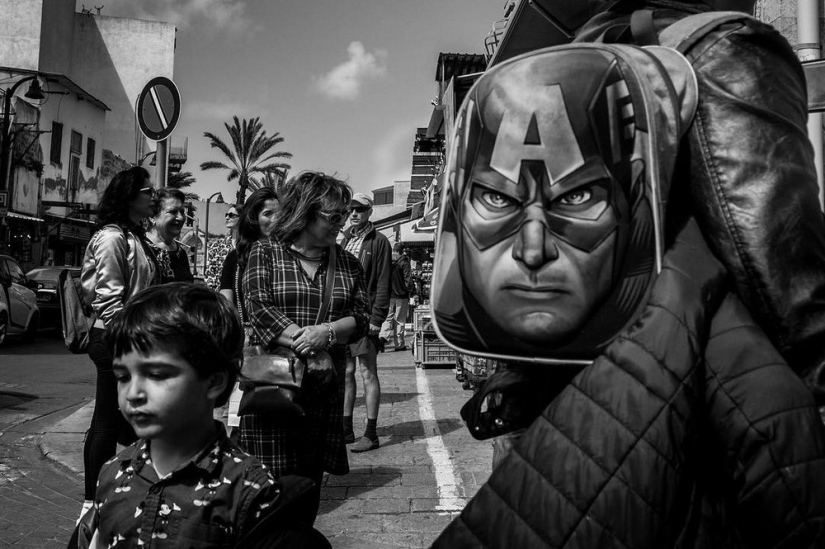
{"x":402,"y":348}
{"x":364,"y":445}
{"x":349,"y":438}
{"x":87,"y":504}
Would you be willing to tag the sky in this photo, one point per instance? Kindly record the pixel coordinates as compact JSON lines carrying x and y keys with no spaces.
{"x":344,"y":82}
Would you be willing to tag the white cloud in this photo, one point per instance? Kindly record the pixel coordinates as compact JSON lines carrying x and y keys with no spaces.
{"x":345,"y":80}
{"x":228,"y":15}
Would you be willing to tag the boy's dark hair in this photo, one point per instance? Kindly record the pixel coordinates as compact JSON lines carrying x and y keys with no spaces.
{"x":195,"y":321}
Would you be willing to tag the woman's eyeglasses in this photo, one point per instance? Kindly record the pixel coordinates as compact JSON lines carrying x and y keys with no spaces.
{"x":149,"y":191}
{"x":230,"y":215}
{"x":336,"y":217}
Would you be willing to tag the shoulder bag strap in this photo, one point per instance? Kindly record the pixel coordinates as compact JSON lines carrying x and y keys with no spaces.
{"x":326,"y":297}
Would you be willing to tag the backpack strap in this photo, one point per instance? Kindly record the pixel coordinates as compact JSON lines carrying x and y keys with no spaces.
{"x":686,"y":33}
{"x":642,"y":28}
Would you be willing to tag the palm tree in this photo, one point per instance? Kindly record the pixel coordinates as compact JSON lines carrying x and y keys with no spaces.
{"x":273,"y":180}
{"x":250,"y":154}
{"x":182,"y":180}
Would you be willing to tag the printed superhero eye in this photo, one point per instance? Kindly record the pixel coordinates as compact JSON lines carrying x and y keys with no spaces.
{"x":585,"y":202}
{"x":492,"y":204}
{"x":577,"y":197}
{"x":496,"y":200}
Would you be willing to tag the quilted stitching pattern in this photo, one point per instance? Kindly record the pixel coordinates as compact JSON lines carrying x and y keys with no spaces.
{"x":633,"y":453}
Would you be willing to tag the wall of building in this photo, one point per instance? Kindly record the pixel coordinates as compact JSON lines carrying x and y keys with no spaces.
{"x":56,"y":38}
{"x":26,"y":157}
{"x":781,"y":14}
{"x":401,"y":189}
{"x":89,"y":121}
{"x":20,"y":29}
{"x":113,"y":58}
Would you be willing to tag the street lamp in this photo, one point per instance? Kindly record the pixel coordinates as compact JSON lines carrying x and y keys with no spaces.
{"x":34,"y":92}
{"x":219,"y":200}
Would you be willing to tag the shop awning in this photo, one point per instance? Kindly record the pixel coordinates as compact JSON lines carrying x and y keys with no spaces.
{"x":24,"y":217}
{"x":406,"y":233}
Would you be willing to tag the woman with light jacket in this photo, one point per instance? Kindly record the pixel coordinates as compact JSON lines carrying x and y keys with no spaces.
{"x":116,"y":266}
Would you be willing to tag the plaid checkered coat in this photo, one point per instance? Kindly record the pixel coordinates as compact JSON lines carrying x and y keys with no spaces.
{"x":278,"y":292}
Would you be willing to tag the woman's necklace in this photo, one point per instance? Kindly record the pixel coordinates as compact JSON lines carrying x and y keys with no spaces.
{"x":304,"y":257}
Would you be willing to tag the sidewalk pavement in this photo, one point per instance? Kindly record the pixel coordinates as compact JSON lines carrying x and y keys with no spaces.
{"x":401,"y":495}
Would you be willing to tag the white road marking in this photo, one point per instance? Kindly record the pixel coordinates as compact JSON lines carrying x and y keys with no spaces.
{"x":447,"y":481}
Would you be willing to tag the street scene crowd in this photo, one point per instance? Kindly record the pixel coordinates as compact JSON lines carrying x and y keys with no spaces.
{"x":630,"y":237}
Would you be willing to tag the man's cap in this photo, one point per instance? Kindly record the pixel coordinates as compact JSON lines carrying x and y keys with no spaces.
{"x":361,"y":198}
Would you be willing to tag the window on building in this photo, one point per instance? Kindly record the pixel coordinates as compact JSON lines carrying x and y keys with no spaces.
{"x":90,"y":153}
{"x":76,"y":146}
{"x":57,"y":142}
{"x":382,"y":198}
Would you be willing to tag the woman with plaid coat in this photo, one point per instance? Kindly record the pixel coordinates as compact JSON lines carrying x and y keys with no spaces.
{"x":283,"y":287}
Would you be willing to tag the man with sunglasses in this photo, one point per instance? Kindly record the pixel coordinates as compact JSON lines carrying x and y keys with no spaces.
{"x":373,"y":250}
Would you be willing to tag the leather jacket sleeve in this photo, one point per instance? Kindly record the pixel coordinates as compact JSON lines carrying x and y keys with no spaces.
{"x":106,"y":273}
{"x":754,"y":189}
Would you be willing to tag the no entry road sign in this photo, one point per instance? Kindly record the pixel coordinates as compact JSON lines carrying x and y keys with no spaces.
{"x":158,"y":108}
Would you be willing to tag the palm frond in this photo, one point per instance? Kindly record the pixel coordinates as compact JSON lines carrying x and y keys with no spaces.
{"x":249,"y":150}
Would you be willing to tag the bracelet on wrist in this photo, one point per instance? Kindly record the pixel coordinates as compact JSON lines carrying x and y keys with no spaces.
{"x":331,"y":337}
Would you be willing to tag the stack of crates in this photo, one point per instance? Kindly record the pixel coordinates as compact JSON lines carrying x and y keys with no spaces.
{"x":428,"y":349}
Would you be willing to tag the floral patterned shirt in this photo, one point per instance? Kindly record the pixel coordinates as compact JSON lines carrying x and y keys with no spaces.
{"x":217,"y":250}
{"x":210,"y":501}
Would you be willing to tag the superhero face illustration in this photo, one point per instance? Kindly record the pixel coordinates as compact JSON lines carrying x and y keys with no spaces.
{"x":542,"y":281}
{"x":551,"y":213}
{"x":541,"y":212}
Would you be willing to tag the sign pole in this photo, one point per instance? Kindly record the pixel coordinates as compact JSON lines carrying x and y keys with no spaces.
{"x":158,"y":111}
{"x":161,"y":162}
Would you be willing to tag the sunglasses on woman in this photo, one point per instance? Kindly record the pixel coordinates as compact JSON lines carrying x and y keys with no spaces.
{"x":230,"y":215}
{"x":149,"y":191}
{"x":336,"y":217}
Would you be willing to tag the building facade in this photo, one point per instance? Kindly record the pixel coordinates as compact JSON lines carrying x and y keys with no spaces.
{"x":65,"y":147}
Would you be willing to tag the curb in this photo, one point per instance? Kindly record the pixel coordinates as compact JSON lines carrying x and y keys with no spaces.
{"x":63,"y":443}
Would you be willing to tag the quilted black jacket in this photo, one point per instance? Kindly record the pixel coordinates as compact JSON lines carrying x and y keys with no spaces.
{"x":690,"y":431}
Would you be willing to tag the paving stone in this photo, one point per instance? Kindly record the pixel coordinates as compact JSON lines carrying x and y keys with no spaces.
{"x":386,"y":506}
{"x":415,"y":522}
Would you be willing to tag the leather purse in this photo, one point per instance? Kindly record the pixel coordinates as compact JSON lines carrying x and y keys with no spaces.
{"x":271,"y":381}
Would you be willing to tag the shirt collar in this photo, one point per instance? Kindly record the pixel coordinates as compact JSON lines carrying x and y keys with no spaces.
{"x":207,"y":459}
{"x":363,"y":231}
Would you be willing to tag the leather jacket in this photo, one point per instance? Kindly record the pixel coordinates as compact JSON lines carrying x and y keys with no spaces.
{"x":750,"y":178}
{"x":115,"y":267}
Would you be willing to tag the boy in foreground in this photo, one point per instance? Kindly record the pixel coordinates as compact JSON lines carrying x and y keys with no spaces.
{"x":178,"y":348}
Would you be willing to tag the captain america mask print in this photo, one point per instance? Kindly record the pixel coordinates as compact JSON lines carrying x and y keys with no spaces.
{"x":548,"y":220}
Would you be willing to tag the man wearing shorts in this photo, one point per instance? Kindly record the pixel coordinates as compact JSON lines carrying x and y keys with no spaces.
{"x":373,"y":250}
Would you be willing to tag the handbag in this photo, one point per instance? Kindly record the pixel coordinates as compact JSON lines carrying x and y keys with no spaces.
{"x":272,"y":381}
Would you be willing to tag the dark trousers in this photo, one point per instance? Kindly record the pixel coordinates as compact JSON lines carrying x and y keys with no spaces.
{"x":108,"y":425}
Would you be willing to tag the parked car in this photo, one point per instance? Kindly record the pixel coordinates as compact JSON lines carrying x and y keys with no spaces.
{"x":19,"y":313}
{"x":46,"y":278}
